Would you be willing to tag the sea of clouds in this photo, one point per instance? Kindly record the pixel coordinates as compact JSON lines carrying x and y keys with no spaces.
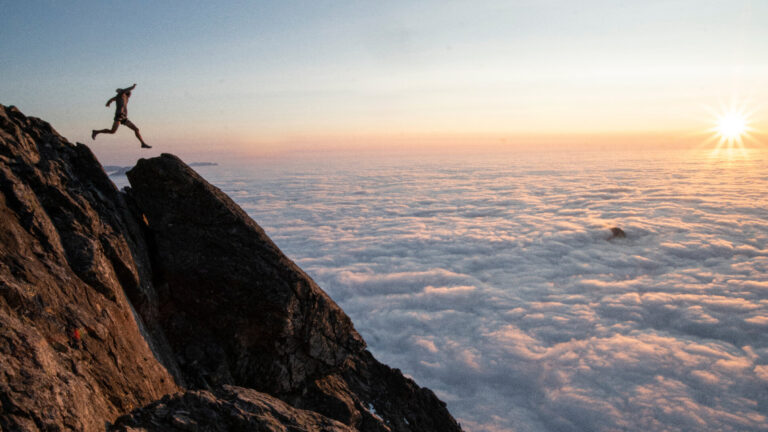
{"x":491,"y":279}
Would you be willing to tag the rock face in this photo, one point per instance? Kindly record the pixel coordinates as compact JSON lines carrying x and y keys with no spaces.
{"x":167,"y":305}
{"x":235,"y":309}
{"x":68,"y":254}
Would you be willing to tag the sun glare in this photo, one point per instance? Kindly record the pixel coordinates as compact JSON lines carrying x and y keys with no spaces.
{"x":731,"y":125}
{"x":731,"y":129}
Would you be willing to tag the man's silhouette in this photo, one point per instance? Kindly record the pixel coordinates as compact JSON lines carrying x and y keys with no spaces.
{"x":121,"y":115}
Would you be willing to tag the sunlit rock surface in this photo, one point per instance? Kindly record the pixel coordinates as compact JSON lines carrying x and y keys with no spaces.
{"x":69,"y":254}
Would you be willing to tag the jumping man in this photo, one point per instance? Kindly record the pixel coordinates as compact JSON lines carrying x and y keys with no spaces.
{"x":121,"y":115}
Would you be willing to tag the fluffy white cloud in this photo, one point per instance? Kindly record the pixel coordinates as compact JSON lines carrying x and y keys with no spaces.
{"x":493,"y":280}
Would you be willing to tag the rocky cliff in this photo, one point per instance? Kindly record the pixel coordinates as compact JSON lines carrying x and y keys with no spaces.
{"x":165,"y":307}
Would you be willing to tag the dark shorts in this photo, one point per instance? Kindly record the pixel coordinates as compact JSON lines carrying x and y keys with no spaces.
{"x":123,"y":119}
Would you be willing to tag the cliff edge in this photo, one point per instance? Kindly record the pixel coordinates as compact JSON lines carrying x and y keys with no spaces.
{"x":165,"y":307}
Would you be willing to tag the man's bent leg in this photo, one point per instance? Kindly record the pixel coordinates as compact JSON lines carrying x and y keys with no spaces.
{"x":115,"y":125}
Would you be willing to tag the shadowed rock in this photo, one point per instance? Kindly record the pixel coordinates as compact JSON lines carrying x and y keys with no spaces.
{"x":235,"y":309}
{"x":617,"y":232}
{"x":226,"y":409}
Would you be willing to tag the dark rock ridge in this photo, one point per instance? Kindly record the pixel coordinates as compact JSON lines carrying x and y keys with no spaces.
{"x":168,"y":307}
{"x":225,"y":409}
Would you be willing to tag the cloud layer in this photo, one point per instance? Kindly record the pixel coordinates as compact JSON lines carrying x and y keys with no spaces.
{"x":493,"y":282}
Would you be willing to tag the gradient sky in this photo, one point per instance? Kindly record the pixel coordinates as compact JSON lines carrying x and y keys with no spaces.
{"x":257,"y":77}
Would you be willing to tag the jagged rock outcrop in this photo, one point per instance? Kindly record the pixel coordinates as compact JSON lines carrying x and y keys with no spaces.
{"x":67,"y":256}
{"x":234,"y":308}
{"x":227,"y":333}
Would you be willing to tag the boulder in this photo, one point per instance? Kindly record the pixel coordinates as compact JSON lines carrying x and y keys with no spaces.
{"x":617,"y":232}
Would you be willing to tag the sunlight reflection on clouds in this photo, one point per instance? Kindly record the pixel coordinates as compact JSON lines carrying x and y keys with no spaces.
{"x":493,"y":282}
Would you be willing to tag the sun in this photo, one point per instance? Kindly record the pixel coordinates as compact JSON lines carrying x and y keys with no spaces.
{"x":731,"y":129}
{"x":732,"y":125}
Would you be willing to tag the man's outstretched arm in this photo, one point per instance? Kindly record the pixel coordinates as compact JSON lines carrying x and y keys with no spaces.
{"x":129,"y":88}
{"x":111,"y":100}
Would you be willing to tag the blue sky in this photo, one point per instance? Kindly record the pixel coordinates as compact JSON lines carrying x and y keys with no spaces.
{"x":261,"y":75}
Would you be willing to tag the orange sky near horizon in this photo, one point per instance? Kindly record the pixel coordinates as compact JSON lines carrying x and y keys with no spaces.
{"x":282,"y":78}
